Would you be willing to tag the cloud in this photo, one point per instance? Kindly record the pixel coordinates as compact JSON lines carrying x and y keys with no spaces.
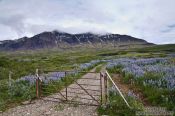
{"x":15,"y":22}
{"x":146,"y":19}
{"x":171,"y":26}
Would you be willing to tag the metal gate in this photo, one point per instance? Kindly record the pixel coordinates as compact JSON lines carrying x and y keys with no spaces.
{"x":84,"y":88}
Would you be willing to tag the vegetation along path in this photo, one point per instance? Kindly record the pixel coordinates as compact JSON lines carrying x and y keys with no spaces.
{"x":52,"y":106}
{"x":129,"y":89}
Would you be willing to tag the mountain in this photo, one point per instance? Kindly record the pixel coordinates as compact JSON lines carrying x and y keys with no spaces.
{"x":55,"y":39}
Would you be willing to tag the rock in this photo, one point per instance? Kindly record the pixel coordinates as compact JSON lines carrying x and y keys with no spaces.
{"x":28,"y":113}
{"x":48,"y":113}
{"x":26,"y":102}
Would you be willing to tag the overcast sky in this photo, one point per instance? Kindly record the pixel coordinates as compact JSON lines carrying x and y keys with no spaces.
{"x":152,"y":20}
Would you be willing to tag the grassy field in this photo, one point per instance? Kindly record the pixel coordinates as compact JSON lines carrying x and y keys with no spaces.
{"x":24,"y":63}
{"x":21,"y":63}
{"x":151,"y":71}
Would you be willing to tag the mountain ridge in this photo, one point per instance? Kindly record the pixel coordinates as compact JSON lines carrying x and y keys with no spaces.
{"x":56,"y":39}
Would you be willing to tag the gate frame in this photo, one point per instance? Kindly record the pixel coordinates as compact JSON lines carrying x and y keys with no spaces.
{"x":39,"y":88}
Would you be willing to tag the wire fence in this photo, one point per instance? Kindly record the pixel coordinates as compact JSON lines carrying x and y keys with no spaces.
{"x":11,"y":90}
{"x":107,"y":78}
{"x":61,"y":87}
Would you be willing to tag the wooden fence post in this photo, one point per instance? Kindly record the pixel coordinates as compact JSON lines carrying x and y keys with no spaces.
{"x":37,"y":93}
{"x":40,"y":88}
{"x":101,"y":87}
{"x":66,"y":86}
{"x":105,"y":86}
{"x":37,"y":84}
{"x":10,"y":78}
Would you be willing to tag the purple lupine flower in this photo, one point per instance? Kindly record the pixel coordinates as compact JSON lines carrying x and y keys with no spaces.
{"x":139,"y":67}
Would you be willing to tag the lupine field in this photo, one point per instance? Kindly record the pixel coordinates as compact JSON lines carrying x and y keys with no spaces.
{"x":163,"y":68}
{"x":152,"y":72}
{"x":154,"y":76}
{"x":55,"y":76}
{"x":21,"y":85}
{"x":24,"y":87}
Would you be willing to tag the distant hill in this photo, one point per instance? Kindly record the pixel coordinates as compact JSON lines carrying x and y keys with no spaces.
{"x":159,"y":48}
{"x":55,"y":39}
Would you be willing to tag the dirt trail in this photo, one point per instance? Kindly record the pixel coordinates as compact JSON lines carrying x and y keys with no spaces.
{"x":51,"y":106}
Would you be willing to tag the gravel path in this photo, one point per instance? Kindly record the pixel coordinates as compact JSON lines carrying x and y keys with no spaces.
{"x":52,"y":106}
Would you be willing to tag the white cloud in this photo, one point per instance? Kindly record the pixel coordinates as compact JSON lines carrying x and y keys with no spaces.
{"x":146,"y":19}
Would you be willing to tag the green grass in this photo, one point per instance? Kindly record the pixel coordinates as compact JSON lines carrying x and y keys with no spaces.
{"x":20,"y":91}
{"x":155,"y":95}
{"x":117,"y":107}
{"x":158,"y":48}
{"x":99,"y":67}
{"x":26,"y":62}
{"x":22,"y":64}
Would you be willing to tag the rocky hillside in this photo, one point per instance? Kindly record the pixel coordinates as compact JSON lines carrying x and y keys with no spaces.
{"x":55,"y":39}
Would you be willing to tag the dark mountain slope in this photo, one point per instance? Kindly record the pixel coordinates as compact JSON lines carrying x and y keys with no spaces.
{"x":55,"y":39}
